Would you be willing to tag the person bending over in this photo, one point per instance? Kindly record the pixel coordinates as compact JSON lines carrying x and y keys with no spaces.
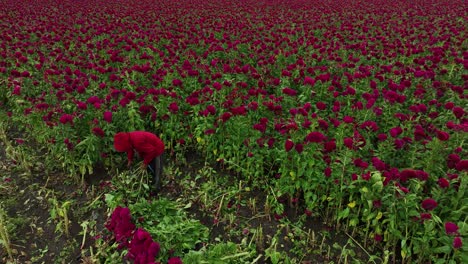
{"x":148,"y":146}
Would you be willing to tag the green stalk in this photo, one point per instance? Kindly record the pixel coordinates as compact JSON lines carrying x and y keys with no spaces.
{"x":4,"y":235}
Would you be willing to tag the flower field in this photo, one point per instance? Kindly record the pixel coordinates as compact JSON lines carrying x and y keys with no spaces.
{"x":351,"y":112}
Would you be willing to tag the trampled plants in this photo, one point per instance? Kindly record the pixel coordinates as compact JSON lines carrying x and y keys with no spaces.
{"x":355,"y":109}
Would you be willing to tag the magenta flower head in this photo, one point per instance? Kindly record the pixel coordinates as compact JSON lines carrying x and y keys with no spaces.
{"x":66,"y":118}
{"x":98,"y":131}
{"x":378,"y":238}
{"x":443,"y":183}
{"x":174,"y":260}
{"x":451,"y":228}
{"x":173,"y":107}
{"x":315,"y":137}
{"x":458,"y":112}
{"x":121,"y":225}
{"x":429,"y":204}
{"x":442,"y":135}
{"x":142,"y":248}
{"x":107,"y":116}
{"x":309,"y":81}
{"x":457,"y":242}
{"x":396,"y":131}
{"x":462,"y":165}
{"x":289,"y":91}
{"x":425,"y":216}
{"x":288,"y":145}
{"x":177,"y":82}
{"x":299,"y":148}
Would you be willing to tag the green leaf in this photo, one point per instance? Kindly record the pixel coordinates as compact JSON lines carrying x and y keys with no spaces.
{"x":343,"y":214}
{"x":443,"y":249}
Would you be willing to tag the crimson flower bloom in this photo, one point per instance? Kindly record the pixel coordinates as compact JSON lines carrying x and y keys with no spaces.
{"x":442,"y":135}
{"x":66,"y":118}
{"x":107,"y":116}
{"x":315,"y":137}
{"x":142,"y":248}
{"x":299,"y":148}
{"x":98,"y":131}
{"x":309,"y":81}
{"x":177,"y":82}
{"x":425,"y":216}
{"x":457,"y":242}
{"x":330,"y":146}
{"x":289,"y":91}
{"x":443,"y":183}
{"x":121,"y":225}
{"x":378,"y":238}
{"x":348,"y":142}
{"x":396,"y":131}
{"x":288,"y":145}
{"x":348,"y":119}
{"x":429,"y":204}
{"x":452,"y":160}
{"x":451,"y":228}
{"x":174,"y":260}
{"x":173,"y":107}
{"x":462,"y":165}
{"x":458,"y":112}
{"x":321,"y":105}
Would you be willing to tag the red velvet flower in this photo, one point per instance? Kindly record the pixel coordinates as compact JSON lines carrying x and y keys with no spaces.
{"x":451,"y":228}
{"x":429,"y":204}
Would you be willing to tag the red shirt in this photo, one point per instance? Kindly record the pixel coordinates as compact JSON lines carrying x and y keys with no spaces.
{"x":147,"y":144}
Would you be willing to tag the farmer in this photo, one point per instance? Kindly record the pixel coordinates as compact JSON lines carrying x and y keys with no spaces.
{"x":148,"y":146}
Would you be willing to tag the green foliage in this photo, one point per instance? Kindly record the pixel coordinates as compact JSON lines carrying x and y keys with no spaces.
{"x":229,"y":253}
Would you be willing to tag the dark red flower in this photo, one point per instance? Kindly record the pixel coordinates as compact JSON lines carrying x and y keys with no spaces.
{"x":457,"y":242}
{"x":121,"y":225}
{"x":107,"y":116}
{"x":462,"y":165}
{"x":451,"y":228}
{"x":442,"y":135}
{"x":452,"y":160}
{"x":177,"y":82}
{"x":288,"y":145}
{"x":309,"y":81}
{"x":315,"y":137}
{"x":429,"y":204}
{"x":458,"y":112}
{"x":173,"y":107}
{"x":321,"y":106}
{"x":348,"y":142}
{"x":377,"y":203}
{"x":425,"y":216}
{"x":98,"y":132}
{"x":289,"y":91}
{"x":396,"y":131}
{"x":174,"y":260}
{"x":299,"y":148}
{"x":443,"y":183}
{"x":378,"y":238}
{"x":66,"y":118}
{"x":142,"y":248}
{"x":330,"y":146}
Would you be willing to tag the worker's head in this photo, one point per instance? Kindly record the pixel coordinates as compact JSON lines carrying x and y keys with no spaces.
{"x":122,"y":142}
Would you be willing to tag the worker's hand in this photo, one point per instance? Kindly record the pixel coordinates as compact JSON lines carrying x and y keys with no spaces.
{"x":143,"y":166}
{"x":129,"y":163}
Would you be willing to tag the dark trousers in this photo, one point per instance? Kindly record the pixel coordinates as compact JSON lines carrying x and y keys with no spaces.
{"x":155,"y":168}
